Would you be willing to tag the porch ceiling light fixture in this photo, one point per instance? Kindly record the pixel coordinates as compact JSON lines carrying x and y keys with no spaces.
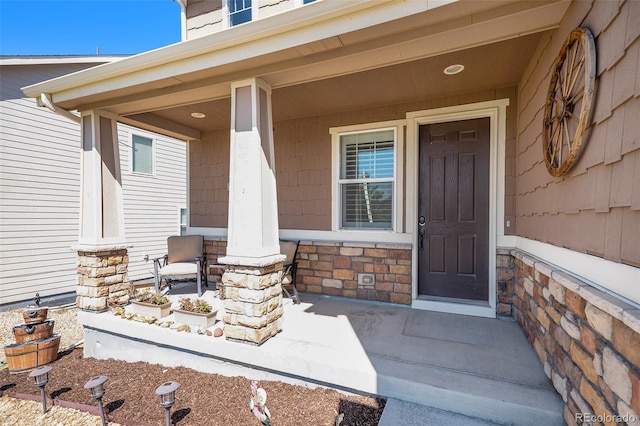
{"x":41,"y":377}
{"x":198,"y":115}
{"x":167,"y":392}
{"x":454,"y":69}
{"x":96,"y":386}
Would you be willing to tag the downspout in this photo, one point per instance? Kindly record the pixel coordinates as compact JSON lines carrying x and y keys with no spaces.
{"x":183,"y":18}
{"x":45,"y":100}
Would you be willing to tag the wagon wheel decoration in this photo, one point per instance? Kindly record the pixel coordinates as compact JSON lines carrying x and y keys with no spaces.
{"x":568,"y":106}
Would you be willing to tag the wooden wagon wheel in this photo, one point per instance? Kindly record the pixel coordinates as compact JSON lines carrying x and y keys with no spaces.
{"x":569,"y":100}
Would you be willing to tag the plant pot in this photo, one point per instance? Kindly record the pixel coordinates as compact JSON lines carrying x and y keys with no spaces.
{"x":195,"y":319}
{"x":34,"y":315}
{"x":31,"y":332}
{"x":150,"y":309}
{"x":26,"y":356}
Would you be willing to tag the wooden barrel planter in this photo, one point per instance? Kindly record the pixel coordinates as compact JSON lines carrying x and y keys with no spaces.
{"x":31,"y":332}
{"x":29,"y":355}
{"x":33,"y":315}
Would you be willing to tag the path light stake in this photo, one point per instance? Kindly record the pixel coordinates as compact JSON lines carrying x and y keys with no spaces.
{"x":41,"y":377}
{"x":167,"y":392}
{"x":96,"y":385}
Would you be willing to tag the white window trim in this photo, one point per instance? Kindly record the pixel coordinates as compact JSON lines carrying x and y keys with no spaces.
{"x":154,"y":145}
{"x":227,"y":18}
{"x":398,"y":187}
{"x":496,"y":111}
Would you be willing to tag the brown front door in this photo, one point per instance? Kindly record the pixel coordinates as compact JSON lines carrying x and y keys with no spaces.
{"x":453,"y":210}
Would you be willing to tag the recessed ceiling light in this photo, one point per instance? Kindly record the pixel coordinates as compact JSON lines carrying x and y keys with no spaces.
{"x":198,"y":115}
{"x":454,"y":69}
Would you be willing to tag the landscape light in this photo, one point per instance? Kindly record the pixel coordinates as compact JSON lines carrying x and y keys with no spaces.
{"x":167,"y":392}
{"x":96,"y":386}
{"x":41,"y":377}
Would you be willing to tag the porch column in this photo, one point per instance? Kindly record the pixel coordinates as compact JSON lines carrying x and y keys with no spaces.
{"x":102,"y":252}
{"x":251,"y":283}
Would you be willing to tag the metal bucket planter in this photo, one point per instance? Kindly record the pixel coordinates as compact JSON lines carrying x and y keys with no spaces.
{"x":195,"y":319}
{"x":150,"y":309}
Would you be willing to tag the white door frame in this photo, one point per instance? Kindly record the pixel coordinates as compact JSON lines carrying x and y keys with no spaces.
{"x":496,"y":112}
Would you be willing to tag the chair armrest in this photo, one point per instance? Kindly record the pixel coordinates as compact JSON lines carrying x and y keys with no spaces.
{"x":165,"y":258}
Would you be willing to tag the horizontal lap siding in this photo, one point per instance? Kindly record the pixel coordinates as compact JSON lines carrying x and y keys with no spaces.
{"x":40,"y":193}
{"x":152,"y":203}
{"x":39,"y":189}
{"x":596,"y":207}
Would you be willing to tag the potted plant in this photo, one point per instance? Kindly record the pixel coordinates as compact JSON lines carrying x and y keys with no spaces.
{"x":152,"y":305}
{"x":198,"y":313}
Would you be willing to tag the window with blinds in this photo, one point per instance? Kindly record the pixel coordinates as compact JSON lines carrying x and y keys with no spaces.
{"x":367,"y":179}
{"x":141,"y":155}
{"x":239,"y":12}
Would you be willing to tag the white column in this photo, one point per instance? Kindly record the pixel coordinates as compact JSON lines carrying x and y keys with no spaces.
{"x":101,"y":211}
{"x":253,"y":203}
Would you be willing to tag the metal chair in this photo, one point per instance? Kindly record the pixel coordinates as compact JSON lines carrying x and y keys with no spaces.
{"x":290,"y":267}
{"x":185,"y":257}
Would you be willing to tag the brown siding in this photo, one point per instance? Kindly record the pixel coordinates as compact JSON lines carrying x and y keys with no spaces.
{"x":595,"y":208}
{"x":208,"y":177}
{"x":303,"y":163}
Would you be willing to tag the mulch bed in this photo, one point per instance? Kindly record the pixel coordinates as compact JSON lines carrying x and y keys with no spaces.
{"x":203,"y":399}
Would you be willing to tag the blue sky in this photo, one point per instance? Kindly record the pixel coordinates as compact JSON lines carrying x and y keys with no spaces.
{"x":79,"y":27}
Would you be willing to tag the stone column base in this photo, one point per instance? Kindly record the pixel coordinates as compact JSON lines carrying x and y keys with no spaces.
{"x":102,"y":278}
{"x":252,"y":302}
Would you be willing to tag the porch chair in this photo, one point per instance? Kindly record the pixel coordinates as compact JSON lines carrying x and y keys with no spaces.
{"x":290,"y":249}
{"x":185,"y":256}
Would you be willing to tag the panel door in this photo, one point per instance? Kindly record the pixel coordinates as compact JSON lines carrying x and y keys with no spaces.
{"x":453,"y":210}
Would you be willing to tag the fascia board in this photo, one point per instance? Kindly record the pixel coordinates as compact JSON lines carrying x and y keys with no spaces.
{"x":296,"y":27}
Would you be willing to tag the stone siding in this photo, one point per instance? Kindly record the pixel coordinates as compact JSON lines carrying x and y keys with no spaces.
{"x":102,"y":279}
{"x":505,"y":277}
{"x":588,"y":341}
{"x":333,"y":268}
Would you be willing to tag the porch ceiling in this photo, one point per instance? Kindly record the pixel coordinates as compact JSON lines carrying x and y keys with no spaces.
{"x":487,"y":67}
{"x":319,"y":59}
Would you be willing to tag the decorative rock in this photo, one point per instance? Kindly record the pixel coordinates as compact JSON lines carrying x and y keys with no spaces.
{"x":217,"y":332}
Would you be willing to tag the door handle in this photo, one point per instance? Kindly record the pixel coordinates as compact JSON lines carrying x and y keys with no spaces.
{"x":421,"y":231}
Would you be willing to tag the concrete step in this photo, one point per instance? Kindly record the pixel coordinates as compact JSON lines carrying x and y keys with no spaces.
{"x":470,"y":396}
{"x":403,"y":413}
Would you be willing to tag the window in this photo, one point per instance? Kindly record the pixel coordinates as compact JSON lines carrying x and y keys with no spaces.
{"x":367,"y":179}
{"x":239,"y":12}
{"x":183,"y":221}
{"x":308,"y":1}
{"x":141,"y":155}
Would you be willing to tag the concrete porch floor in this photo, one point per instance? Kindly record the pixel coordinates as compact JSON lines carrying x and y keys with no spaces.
{"x":475,"y":370}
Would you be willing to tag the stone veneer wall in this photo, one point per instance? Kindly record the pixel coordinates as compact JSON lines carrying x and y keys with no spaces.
{"x":333,"y":267}
{"x":102,"y":279}
{"x":505,"y":277}
{"x":588,"y":341}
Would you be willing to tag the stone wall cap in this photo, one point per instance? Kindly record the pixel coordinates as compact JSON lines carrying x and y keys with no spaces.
{"x":259,"y":262}
{"x":611,"y":304}
{"x":100,"y":247}
{"x":395,"y":246}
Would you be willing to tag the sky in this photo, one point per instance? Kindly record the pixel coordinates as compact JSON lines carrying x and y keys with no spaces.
{"x":85,"y":27}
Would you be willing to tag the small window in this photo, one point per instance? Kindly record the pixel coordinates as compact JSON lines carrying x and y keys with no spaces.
{"x":183,"y":221}
{"x":239,"y":12}
{"x":367,"y":179}
{"x":141,"y":155}
{"x":307,"y":1}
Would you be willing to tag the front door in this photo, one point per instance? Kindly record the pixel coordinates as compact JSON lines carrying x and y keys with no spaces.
{"x":453,"y":210}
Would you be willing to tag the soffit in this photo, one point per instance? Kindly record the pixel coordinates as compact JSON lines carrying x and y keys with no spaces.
{"x":165,"y":88}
